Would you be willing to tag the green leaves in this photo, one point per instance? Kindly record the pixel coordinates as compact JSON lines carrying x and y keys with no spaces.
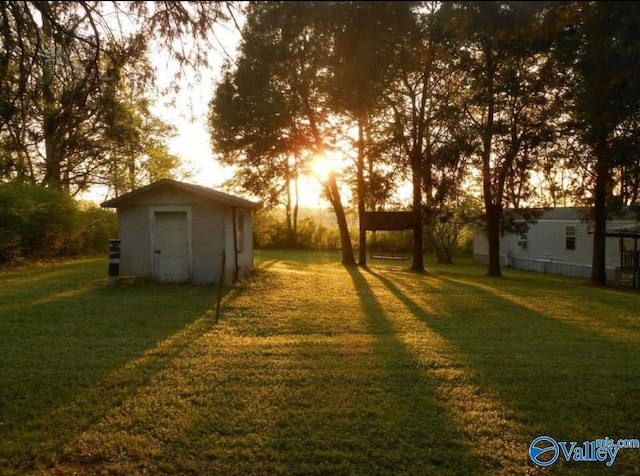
{"x":67,"y":74}
{"x":42,"y":223}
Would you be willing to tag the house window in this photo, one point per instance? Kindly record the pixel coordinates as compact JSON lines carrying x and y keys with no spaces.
{"x":570,"y":237}
{"x":240,"y":230}
{"x":523,"y":241}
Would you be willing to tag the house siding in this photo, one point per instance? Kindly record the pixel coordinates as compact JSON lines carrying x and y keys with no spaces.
{"x":546,"y":250}
{"x":546,"y":242}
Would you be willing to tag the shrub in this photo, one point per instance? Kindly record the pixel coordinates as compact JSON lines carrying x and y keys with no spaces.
{"x":96,"y":226}
{"x":42,"y":223}
{"x":314,"y":236}
{"x":270,"y":231}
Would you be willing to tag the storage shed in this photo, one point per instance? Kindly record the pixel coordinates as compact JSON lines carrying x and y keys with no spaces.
{"x":173,"y":231}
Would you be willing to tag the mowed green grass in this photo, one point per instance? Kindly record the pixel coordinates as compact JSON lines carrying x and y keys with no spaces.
{"x":314,"y":368}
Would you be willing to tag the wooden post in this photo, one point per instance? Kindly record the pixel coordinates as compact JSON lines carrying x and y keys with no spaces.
{"x":636,"y":269}
{"x":221,"y":284}
{"x":234,"y":210}
{"x":622,"y":251}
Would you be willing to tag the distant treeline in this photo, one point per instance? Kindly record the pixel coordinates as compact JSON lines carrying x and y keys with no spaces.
{"x":39,"y":223}
{"x":270,"y":230}
{"x":317,"y":233}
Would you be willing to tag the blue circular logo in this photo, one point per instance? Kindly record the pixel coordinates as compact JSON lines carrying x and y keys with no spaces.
{"x":544,"y":451}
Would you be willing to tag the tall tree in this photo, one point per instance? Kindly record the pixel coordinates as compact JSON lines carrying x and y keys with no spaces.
{"x":252,"y":129}
{"x":366,"y":38}
{"x":430,"y":129}
{"x":274,"y":104}
{"x":601,"y":52}
{"x":60,"y":66}
{"x":409,"y":102}
{"x":135,"y":150}
{"x":502,"y":52}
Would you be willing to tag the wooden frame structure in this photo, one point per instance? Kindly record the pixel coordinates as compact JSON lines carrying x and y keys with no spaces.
{"x":388,"y":221}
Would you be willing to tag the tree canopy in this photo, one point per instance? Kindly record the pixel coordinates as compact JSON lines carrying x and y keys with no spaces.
{"x":507,"y":101}
{"x":517,"y":104}
{"x":74,"y":85}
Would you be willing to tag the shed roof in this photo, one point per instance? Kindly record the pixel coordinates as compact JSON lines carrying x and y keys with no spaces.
{"x":206,"y":192}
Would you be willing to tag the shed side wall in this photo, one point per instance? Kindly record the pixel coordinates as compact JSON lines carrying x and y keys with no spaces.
{"x":208,"y":241}
{"x":245,"y":258}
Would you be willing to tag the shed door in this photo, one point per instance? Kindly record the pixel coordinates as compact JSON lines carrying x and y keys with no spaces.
{"x":171,"y":247}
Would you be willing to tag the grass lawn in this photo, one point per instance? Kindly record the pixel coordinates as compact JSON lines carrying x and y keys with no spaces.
{"x":314,"y":368}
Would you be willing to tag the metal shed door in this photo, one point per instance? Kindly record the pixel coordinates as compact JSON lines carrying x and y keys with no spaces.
{"x":171,"y":253}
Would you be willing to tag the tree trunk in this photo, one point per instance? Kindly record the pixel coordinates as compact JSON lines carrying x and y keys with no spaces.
{"x":598,"y":268}
{"x":296,"y":207}
{"x":287,"y":209}
{"x":131,"y":168}
{"x":291,"y":233}
{"x":343,"y":227}
{"x":53,"y":168}
{"x":418,"y":245}
{"x":635,"y":184}
{"x":493,"y":213}
{"x":362,"y":232}
{"x":442,"y":252}
{"x":492,"y":204}
{"x":333,"y":192}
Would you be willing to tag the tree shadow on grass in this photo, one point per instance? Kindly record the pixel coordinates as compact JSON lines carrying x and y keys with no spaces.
{"x":561,"y":380}
{"x":291,"y":402}
{"x":70,"y":356}
{"x":419,"y":413}
{"x":356,"y":401}
{"x":23,"y":287}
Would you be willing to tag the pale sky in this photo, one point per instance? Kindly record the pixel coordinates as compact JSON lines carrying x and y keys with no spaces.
{"x":189,"y":115}
{"x":192,"y":143}
{"x":187,"y":110}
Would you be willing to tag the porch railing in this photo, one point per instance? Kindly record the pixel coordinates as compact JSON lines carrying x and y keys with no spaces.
{"x":630,"y":263}
{"x":629,"y":260}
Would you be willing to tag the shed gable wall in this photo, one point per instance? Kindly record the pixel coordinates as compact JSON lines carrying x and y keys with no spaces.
{"x":167,"y":196}
{"x":212,"y":232}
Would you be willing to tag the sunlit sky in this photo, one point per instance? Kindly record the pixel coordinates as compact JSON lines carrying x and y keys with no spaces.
{"x":188,"y":110}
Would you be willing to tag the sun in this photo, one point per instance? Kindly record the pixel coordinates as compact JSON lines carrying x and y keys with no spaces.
{"x":321,"y":168}
{"x":324,"y":164}
{"x":312,"y":184}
